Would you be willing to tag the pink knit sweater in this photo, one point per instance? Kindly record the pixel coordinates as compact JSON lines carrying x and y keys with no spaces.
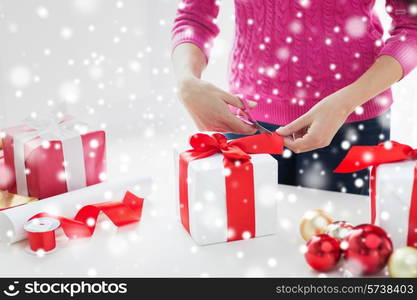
{"x":289,"y":54}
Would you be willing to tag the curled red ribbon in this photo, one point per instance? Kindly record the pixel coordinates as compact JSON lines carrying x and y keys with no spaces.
{"x":83,"y":225}
{"x":361,"y":157}
{"x":240,"y":202}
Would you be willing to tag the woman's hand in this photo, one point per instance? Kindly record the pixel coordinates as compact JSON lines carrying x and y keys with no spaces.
{"x":316,"y":128}
{"x":206,"y":103}
{"x":208,"y":106}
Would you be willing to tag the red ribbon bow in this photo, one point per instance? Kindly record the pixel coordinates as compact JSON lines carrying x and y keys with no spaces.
{"x":239,"y":184}
{"x":361,"y":157}
{"x":204,"y":144}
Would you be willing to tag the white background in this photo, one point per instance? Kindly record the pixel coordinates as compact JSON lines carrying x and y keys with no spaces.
{"x":120,"y":74}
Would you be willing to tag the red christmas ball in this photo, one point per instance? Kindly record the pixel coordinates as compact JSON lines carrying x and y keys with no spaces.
{"x":367,"y":249}
{"x":323,"y":252}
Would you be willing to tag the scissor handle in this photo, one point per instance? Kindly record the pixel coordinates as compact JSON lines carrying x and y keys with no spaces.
{"x":245,"y":103}
{"x":247,"y":110}
{"x":251,"y":120}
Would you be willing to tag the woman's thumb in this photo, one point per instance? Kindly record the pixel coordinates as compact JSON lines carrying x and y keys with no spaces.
{"x":293,"y":127}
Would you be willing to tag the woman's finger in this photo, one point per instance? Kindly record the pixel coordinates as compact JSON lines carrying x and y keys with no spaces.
{"x":232,"y":100}
{"x":298,"y":145}
{"x":237,"y":102}
{"x":252,"y":104}
{"x":241,"y":113}
{"x":312,"y":140}
{"x":300,"y":133}
{"x":238,"y":126}
{"x":308,"y":142}
{"x":294,"y":126}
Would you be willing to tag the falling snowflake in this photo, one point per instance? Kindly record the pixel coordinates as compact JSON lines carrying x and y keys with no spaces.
{"x":42,"y":12}
{"x":20,"y":76}
{"x":69,"y":92}
{"x":355,"y":27}
{"x":86,"y":6}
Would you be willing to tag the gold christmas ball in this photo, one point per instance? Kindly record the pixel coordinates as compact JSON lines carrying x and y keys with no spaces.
{"x":314,"y":222}
{"x":403,"y":263}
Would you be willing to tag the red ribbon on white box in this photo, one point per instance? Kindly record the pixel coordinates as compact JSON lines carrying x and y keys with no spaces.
{"x":361,"y":157}
{"x":240,"y":200}
{"x":64,"y":131}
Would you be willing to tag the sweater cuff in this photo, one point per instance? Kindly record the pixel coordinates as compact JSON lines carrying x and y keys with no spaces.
{"x":404,"y":51}
{"x":191,"y":35}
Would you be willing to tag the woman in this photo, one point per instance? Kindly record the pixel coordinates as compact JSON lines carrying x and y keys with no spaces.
{"x":317,"y":72}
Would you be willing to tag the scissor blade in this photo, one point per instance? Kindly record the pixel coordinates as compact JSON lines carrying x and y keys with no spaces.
{"x":262,"y":129}
{"x":252,"y":120}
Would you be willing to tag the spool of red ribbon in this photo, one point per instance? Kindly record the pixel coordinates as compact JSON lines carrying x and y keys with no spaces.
{"x":41,"y":233}
{"x":41,"y":227}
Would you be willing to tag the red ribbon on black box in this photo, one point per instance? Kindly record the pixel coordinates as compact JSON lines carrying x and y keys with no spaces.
{"x":240,"y":202}
{"x":361,"y":157}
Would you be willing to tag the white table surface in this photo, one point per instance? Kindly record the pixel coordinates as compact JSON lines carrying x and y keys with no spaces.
{"x":159,"y":246}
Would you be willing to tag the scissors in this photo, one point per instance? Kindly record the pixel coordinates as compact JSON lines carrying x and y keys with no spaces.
{"x":251,"y":120}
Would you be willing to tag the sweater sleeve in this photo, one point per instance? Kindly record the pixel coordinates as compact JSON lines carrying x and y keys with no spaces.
{"x":402,"y":45}
{"x":195,"y":23}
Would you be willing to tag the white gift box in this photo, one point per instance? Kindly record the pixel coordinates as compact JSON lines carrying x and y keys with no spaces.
{"x":394,"y":188}
{"x":208,"y":215}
